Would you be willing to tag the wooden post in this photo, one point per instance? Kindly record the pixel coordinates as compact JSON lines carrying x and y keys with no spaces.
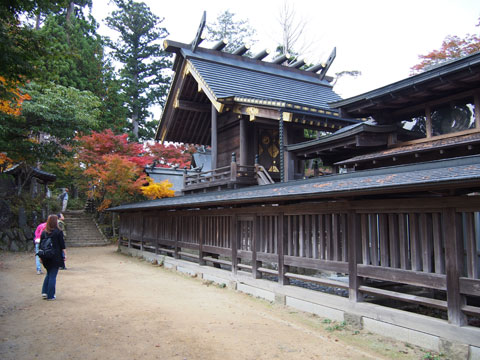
{"x":143,"y":230}
{"x":281,"y":246}
{"x":354,"y":256}
{"x":234,"y":242}
{"x":185,"y":174}
{"x":233,"y":168}
{"x":201,"y":232}
{"x":243,"y":141}
{"x":428,"y":122}
{"x":256,"y":236}
{"x":452,"y":228}
{"x":130,"y":226}
{"x":176,"y":232}
{"x":157,"y":224}
{"x":214,"y":138}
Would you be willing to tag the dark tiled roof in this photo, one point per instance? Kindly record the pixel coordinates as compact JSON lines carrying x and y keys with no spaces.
{"x":419,"y":80}
{"x":417,"y":148}
{"x":465,"y":170}
{"x":228,"y":76}
{"x":37,"y":173}
{"x":227,"y":80}
{"x":343,"y":133}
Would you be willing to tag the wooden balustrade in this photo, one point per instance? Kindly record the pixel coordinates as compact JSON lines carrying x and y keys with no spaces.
{"x":377,"y":244}
{"x":231,"y":176}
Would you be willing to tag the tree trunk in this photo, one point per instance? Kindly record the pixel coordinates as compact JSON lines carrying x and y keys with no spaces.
{"x":37,"y":20}
{"x":70,"y":9}
{"x":135,"y":109}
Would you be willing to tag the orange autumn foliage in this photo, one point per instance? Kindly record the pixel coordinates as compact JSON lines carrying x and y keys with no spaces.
{"x":5,"y":162}
{"x":12,"y":106}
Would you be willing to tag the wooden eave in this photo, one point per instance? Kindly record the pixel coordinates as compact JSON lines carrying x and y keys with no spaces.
{"x":459,"y":145}
{"x":461,"y":173}
{"x":451,"y":78}
{"x":187,"y":113}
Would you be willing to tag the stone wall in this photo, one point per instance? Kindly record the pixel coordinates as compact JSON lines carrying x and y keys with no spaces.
{"x":17,"y":239}
{"x":16,"y":232}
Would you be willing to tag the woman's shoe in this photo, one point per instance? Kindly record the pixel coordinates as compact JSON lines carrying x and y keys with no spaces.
{"x":44,"y":296}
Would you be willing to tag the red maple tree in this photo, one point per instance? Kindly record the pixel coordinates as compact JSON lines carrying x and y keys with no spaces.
{"x":453,"y":47}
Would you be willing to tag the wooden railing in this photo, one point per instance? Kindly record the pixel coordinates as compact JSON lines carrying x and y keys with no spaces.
{"x":232,"y":176}
{"x":228,"y":176}
{"x":386,"y":248}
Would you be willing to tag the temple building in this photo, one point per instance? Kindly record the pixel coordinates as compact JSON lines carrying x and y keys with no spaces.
{"x":390,"y":234}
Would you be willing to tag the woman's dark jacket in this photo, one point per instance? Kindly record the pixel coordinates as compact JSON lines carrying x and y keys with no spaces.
{"x":58,"y":245}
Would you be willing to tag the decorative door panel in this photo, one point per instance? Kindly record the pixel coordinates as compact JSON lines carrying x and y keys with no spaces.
{"x":269,"y":150}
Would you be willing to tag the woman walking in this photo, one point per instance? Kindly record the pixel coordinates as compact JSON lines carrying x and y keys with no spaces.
{"x":52,"y":265}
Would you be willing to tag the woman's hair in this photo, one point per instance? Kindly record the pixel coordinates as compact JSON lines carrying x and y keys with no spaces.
{"x":52,"y":223}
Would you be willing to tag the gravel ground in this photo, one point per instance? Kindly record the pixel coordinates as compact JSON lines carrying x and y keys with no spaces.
{"x":111,"y":306}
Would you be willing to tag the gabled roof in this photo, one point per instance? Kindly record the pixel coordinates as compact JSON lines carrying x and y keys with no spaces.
{"x":461,"y":172}
{"x":209,"y":76}
{"x":259,"y":80}
{"x":455,"y":75}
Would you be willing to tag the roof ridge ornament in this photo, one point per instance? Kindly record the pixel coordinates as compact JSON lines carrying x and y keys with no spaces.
{"x":198,"y":38}
{"x":329,"y":62}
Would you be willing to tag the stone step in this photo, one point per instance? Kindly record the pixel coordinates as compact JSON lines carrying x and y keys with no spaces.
{"x":82,"y":230}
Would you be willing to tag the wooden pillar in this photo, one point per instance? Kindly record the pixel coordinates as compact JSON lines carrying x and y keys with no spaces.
{"x":256,"y":236}
{"x":281,"y":247}
{"x":214,"y":137}
{"x":143,"y":230}
{"x":234,"y":242}
{"x":176,"y":234}
{"x":477,"y":106}
{"x":289,"y":158}
{"x":452,"y":228}
{"x":243,"y":141}
{"x":428,"y":122}
{"x":281,"y":143}
{"x":201,"y":233}
{"x":354,"y":255}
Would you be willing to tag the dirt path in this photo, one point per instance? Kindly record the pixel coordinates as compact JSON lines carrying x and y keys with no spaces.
{"x":110,"y":306}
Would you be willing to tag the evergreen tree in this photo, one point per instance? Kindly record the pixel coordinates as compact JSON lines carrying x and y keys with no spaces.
{"x":235,"y":32}
{"x":76,"y":59}
{"x":75,"y":53}
{"x":144,"y":62}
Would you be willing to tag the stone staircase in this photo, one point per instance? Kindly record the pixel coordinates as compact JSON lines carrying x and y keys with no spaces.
{"x":82,"y":230}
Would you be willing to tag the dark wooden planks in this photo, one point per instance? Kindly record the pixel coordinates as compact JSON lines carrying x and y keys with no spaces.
{"x":418,"y":278}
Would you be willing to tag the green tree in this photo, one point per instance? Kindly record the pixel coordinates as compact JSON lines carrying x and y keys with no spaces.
{"x":48,"y":122}
{"x":143,"y":74}
{"x":76,"y":59}
{"x":75,"y":53}
{"x":235,"y":32}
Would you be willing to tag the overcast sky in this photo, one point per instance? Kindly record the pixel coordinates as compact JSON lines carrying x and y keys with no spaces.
{"x":380,"y":38}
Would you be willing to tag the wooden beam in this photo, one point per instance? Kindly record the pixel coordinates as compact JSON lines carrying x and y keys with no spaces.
{"x":257,"y":112}
{"x":192,"y":106}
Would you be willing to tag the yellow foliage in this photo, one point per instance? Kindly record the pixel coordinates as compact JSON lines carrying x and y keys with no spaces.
{"x":157,"y":190}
